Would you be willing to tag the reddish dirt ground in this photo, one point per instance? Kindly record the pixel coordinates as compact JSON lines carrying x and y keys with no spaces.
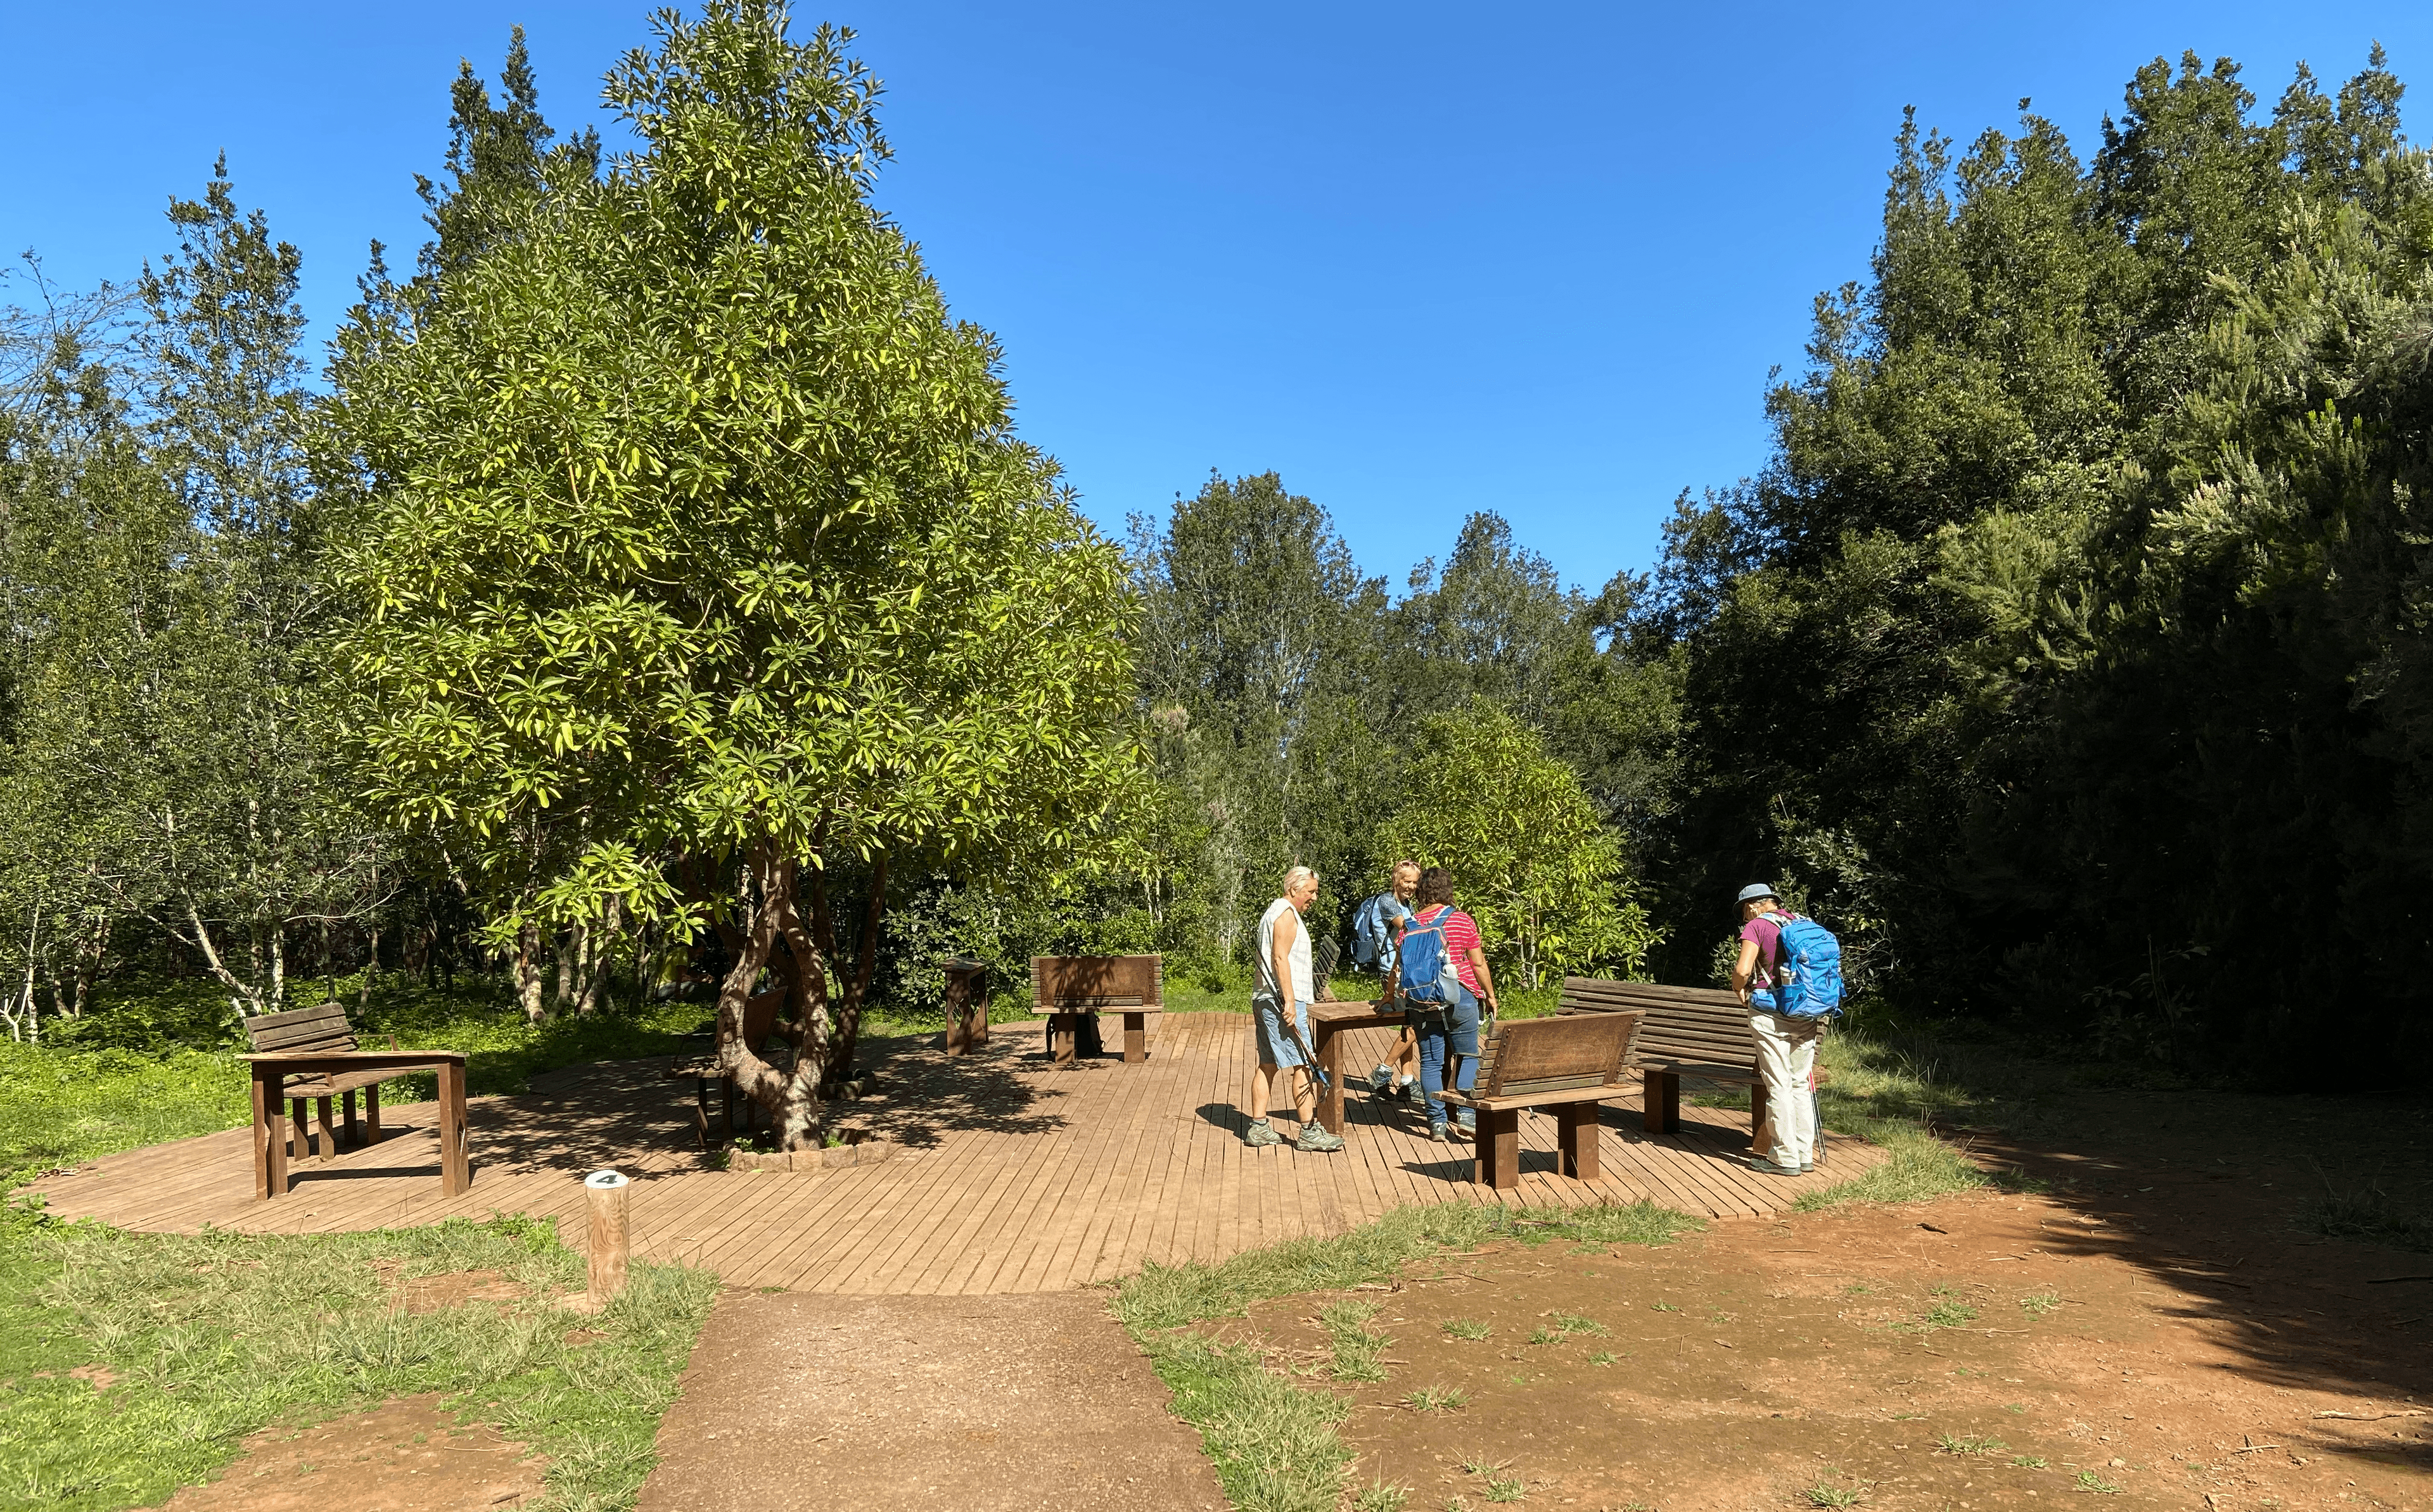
{"x":406,"y":1456}
{"x":2199,"y":1350}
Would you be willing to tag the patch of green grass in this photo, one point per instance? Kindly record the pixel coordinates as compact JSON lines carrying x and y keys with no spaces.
{"x":215,"y":1335}
{"x":1163,"y":1297}
{"x":1604,"y":1357}
{"x":1275,"y":1445}
{"x":1480,"y":1464}
{"x":1357,"y":1353}
{"x":1437,"y":1399}
{"x":2030,"y":1461}
{"x":2040,"y":1303}
{"x":1948,"y":1315}
{"x":1967,"y":1444}
{"x":1574,"y":1325}
{"x":1499,"y":1488}
{"x":1381,"y":1497}
{"x":1467,"y":1327}
{"x":2089,"y":1481}
{"x":1890,"y":1090}
{"x":1663,"y":1307}
{"x":1824,"y":1493}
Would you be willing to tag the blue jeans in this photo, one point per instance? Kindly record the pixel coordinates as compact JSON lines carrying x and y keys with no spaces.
{"x":1447,"y":1036}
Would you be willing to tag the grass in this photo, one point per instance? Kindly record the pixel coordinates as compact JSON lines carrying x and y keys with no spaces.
{"x":1826,"y":1494}
{"x":1381,"y":1497}
{"x":214,"y":1336}
{"x":1604,"y":1357}
{"x":1467,"y":1327}
{"x":1568,"y":1325}
{"x":2038,"y":1303}
{"x":1967,"y":1444}
{"x":1948,"y":1315}
{"x":1275,"y":1445}
{"x":1358,"y":1353}
{"x":2089,"y":1481}
{"x":1437,"y":1399}
{"x":2366,"y":1212}
{"x":2030,"y":1461}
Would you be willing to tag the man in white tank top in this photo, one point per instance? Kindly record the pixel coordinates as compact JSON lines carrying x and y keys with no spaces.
{"x":1286,"y":987}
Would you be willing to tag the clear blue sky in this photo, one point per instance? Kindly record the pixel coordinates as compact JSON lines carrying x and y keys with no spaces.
{"x":1421,"y":260}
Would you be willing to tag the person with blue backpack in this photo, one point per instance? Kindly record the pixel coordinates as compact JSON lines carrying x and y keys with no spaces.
{"x":1442,"y":977}
{"x":1789,"y":974}
{"x":1375,"y":930}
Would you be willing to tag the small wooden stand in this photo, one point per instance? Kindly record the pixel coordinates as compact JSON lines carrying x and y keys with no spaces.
{"x":608,"y":1194}
{"x":966,"y":1006}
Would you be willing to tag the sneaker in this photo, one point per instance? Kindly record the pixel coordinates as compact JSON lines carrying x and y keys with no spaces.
{"x":1381,"y":1079}
{"x":1317,"y":1141}
{"x":1262,"y":1133}
{"x":1413,"y":1093}
{"x":1436,"y":1133}
{"x":1806,"y":1166}
{"x":1766,"y":1167}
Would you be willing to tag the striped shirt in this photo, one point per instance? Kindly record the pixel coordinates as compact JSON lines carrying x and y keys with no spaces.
{"x":1461,"y":938}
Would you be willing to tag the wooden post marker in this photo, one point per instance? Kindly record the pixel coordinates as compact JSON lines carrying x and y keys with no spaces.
{"x":611,"y":1233}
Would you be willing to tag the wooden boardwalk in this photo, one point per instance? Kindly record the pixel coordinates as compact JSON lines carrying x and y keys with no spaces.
{"x":1016,"y":1176}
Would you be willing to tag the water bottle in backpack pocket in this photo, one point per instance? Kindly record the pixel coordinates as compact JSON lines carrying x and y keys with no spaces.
{"x":1807,"y":970}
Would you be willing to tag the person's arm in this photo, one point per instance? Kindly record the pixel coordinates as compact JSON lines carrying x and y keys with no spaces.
{"x":1288,"y":929}
{"x":1745,"y":968}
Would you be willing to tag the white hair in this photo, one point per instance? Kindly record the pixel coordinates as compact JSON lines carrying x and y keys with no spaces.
{"x":1297,"y":877}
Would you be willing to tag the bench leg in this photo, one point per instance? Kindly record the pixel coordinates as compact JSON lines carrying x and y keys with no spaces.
{"x":1575,"y":1139}
{"x":1499,"y":1147}
{"x":1661,"y":1101}
{"x":1135,"y":1038}
{"x":299,"y":1150}
{"x":1761,"y":1138}
{"x":1063,"y":1029}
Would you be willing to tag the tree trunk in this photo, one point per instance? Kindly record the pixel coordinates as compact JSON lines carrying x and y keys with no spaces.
{"x":528,"y":981}
{"x":841,"y":1051}
{"x":791,"y":1099}
{"x":569,"y":941}
{"x":278,"y":965}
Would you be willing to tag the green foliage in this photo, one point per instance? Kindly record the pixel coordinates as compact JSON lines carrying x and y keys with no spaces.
{"x":2058,"y":661}
{"x":214,"y":1336}
{"x":1544,"y":878}
{"x":1273,"y":1444}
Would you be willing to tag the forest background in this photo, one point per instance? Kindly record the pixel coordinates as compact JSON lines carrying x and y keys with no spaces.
{"x":2067,"y":658}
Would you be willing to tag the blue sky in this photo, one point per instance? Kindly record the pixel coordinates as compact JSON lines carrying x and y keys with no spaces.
{"x":1421,"y":260}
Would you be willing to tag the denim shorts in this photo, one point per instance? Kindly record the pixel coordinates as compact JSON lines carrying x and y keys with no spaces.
{"x":1276,"y":1047}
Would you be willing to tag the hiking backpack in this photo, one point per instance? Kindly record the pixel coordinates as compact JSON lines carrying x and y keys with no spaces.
{"x":1372,"y":935}
{"x":1428,"y":973}
{"x":1807,"y":969}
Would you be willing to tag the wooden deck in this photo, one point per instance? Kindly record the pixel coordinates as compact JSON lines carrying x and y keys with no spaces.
{"x":1016,"y":1176}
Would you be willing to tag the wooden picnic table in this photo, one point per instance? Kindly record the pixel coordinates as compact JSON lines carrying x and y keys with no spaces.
{"x":271,"y":1071}
{"x":1327,"y":1022}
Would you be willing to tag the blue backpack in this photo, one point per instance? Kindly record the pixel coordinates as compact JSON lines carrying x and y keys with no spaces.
{"x":1428,"y":975}
{"x":1807,"y":969}
{"x":1372,"y":933}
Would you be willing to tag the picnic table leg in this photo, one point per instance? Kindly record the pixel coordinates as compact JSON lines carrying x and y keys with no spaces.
{"x":1135,"y":1038}
{"x":269,"y":1139}
{"x":1330,"y":1092}
{"x":1661,"y":1101}
{"x":300,"y":1128}
{"x":455,"y":1172}
{"x":371,"y":1115}
{"x":329,"y":1150}
{"x":1575,"y":1139}
{"x":1499,"y":1147}
{"x":347,"y":1109}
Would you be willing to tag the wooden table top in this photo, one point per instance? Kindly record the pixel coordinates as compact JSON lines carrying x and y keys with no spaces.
{"x":1352,"y":1013}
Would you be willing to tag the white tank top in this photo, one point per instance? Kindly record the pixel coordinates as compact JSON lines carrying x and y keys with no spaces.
{"x":1298,"y":957}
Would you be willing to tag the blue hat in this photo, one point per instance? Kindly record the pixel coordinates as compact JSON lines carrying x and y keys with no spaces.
{"x":1757,"y":890}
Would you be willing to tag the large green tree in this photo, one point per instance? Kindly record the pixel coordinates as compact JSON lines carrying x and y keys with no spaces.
{"x":697,"y":562}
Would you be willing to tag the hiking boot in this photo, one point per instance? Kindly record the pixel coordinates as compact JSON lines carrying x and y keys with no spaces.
{"x":1317,"y":1141}
{"x":1381,"y":1079}
{"x":1806,"y":1166}
{"x":1262,"y":1133}
{"x":1766,"y":1167}
{"x":1414,"y":1093}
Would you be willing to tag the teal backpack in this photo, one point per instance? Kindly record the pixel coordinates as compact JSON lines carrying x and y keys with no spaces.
{"x":1807,"y":970}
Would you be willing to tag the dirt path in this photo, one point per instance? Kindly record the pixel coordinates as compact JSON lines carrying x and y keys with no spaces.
{"x":402,"y":1456}
{"x":978,"y":1404}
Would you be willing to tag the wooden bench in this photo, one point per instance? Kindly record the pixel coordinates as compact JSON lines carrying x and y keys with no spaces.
{"x":966,"y":1006}
{"x":320,"y":1030}
{"x":1569,"y":1065}
{"x":1069,"y":989}
{"x":1684,"y":1031}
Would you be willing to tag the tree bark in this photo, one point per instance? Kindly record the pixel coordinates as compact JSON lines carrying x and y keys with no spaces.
{"x":528,"y":982}
{"x":791,"y":1099}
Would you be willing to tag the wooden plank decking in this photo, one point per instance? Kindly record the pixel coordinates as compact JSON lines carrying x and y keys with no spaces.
{"x":1018,"y":1176}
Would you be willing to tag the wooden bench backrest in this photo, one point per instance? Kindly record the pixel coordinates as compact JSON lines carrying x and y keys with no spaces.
{"x":318,"y":1030}
{"x":1554,"y":1054}
{"x":1076,"y":984}
{"x":1699,"y":1025}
